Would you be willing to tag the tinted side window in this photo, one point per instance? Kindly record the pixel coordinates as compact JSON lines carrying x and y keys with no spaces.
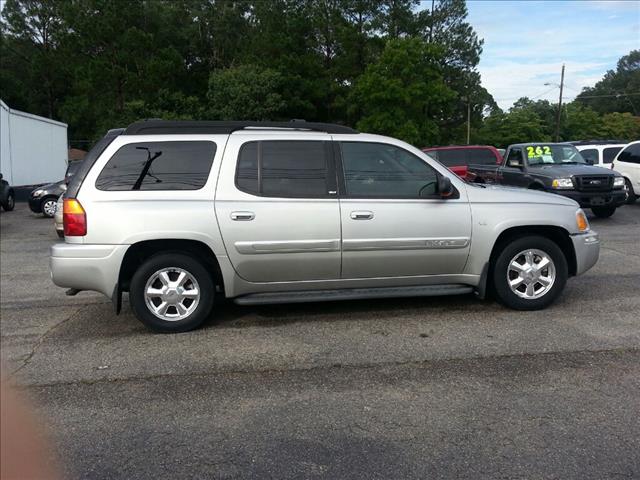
{"x":453,"y":157}
{"x":158,"y":166}
{"x":608,"y":154}
{"x":630,"y":154}
{"x":280,"y":168}
{"x":590,"y":155}
{"x":376,"y":170}
{"x":482,"y":156}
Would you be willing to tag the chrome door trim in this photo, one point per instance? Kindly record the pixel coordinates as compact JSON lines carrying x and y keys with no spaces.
{"x":287,"y":246}
{"x":369,"y":244}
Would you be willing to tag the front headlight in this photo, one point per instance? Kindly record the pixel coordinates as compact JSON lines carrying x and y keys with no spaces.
{"x":562,"y":183}
{"x":37,"y":193}
{"x":581,"y":221}
{"x":618,"y":182}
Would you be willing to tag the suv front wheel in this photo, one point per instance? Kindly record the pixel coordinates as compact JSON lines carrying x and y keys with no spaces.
{"x":171,"y":292}
{"x":529,"y":273}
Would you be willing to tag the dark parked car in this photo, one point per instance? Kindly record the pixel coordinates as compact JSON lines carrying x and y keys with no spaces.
{"x":7,"y":197}
{"x":557,"y":168}
{"x":43,"y":199}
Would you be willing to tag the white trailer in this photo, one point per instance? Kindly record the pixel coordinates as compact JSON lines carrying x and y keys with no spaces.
{"x":33,"y":149}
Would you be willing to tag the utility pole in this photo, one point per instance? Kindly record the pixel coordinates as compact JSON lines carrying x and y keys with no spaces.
{"x":559,"y":105}
{"x":468,"y":120}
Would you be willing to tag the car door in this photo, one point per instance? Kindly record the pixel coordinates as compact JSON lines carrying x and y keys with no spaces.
{"x":514,"y":171}
{"x":394,"y":223}
{"x":277,"y":207}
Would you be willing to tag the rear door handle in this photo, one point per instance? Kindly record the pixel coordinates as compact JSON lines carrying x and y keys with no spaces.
{"x":242,"y":216}
{"x":362,"y":215}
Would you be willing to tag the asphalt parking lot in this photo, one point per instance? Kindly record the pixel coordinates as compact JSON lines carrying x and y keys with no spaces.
{"x":404,"y":388}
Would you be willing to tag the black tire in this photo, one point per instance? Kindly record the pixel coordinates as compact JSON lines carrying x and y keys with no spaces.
{"x":48,"y":213}
{"x":632,"y":194}
{"x":10,"y":203}
{"x":173,"y":260}
{"x":500,"y":273}
{"x":603,"y":212}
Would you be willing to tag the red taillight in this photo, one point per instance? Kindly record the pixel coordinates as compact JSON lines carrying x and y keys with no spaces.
{"x":73,"y":218}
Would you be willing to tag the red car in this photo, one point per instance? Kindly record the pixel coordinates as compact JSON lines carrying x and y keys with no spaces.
{"x":458,"y":157}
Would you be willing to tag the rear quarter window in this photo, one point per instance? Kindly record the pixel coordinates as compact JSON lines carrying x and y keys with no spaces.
{"x":608,"y":154}
{"x":181,"y":165}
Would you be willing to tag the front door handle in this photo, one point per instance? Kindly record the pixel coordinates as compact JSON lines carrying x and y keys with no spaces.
{"x":242,"y":216}
{"x":362,"y":215}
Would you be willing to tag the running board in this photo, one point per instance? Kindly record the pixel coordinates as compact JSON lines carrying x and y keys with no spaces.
{"x":352,"y":294}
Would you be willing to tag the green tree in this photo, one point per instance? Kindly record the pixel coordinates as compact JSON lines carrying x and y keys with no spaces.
{"x":622,"y":126}
{"x":246,"y":92}
{"x":618,"y":90}
{"x":518,"y":125}
{"x":403,"y":93}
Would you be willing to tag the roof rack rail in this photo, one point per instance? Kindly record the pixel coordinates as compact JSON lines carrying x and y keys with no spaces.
{"x":597,"y":142}
{"x":158,"y":127}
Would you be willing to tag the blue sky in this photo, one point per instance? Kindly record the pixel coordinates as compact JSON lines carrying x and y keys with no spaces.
{"x":526,"y":43}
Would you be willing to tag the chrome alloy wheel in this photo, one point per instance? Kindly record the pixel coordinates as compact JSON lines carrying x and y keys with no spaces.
{"x":49,"y":208}
{"x":531,"y":274}
{"x":172,"y":294}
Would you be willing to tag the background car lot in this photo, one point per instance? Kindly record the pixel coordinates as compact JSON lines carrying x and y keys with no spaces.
{"x":404,"y":388}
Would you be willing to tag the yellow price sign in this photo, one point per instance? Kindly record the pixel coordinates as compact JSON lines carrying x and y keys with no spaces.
{"x":538,"y":151}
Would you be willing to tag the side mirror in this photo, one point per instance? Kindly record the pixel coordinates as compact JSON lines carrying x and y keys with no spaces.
{"x":590,"y":161}
{"x":445,"y":188}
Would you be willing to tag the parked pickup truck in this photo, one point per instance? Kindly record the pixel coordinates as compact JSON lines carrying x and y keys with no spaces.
{"x":557,"y":168}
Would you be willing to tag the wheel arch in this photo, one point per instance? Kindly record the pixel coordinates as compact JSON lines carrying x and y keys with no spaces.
{"x":141,"y":251}
{"x":558,"y":235}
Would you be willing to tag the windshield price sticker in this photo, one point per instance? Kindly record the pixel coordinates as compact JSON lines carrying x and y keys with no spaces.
{"x":538,"y":151}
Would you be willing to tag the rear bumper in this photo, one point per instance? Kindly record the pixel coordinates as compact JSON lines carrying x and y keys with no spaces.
{"x":87,"y":267}
{"x":587,"y":248}
{"x":612,"y":198}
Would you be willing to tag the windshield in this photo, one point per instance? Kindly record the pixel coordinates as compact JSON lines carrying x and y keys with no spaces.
{"x":553,"y":154}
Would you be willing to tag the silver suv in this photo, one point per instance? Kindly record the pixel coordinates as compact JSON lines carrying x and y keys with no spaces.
{"x":180,"y":214}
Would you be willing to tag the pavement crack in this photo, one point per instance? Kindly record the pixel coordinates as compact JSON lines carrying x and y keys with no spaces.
{"x":360,"y":366}
{"x":43,"y":337}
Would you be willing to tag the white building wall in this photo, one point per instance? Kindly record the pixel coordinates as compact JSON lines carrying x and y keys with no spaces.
{"x":5,"y":149}
{"x":37,"y":148}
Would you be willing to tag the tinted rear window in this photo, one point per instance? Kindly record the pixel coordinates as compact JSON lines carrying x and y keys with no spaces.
{"x":481,"y":156}
{"x":453,"y":157}
{"x":608,"y":154}
{"x":158,"y":166}
{"x":280,"y":168}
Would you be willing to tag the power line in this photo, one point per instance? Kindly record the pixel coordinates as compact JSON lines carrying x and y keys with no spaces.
{"x":609,"y":95}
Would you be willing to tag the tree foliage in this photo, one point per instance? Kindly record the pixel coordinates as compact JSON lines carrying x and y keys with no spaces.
{"x":400,"y":67}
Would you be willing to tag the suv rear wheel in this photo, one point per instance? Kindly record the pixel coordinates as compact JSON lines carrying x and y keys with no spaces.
{"x":171,"y":292}
{"x":529,"y":273}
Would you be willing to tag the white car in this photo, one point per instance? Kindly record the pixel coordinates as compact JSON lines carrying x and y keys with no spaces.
{"x":627,"y":162}
{"x":600,"y":154}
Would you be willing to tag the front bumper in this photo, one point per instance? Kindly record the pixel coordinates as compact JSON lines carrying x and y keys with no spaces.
{"x":87,"y":267}
{"x":35,"y":204}
{"x":587,"y":248}
{"x":612,"y":198}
